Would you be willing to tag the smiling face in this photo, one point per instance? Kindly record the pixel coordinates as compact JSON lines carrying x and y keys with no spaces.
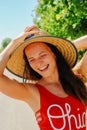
{"x":41,"y":59}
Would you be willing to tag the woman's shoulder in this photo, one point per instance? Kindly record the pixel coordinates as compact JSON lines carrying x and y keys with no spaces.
{"x":31,"y":88}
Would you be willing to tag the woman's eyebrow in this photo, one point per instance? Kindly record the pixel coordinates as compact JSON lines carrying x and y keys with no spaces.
{"x":41,"y":52}
{"x":30,"y":58}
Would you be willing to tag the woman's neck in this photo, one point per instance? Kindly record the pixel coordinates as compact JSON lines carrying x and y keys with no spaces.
{"x":53,"y":78}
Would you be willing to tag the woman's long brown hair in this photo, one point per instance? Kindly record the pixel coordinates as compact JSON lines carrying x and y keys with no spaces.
{"x":72,"y":84}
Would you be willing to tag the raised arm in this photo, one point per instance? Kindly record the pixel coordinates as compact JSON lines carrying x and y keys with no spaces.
{"x":81,"y":67}
{"x":81,"y":43}
{"x":10,"y":87}
{"x":4,"y":56}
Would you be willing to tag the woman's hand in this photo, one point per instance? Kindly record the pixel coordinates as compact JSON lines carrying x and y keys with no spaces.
{"x":4,"y":56}
{"x":27,"y":32}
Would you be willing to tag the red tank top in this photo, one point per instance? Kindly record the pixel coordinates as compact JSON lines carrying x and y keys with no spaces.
{"x":60,"y":113}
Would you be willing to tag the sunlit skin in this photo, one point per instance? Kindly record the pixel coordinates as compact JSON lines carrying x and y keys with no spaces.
{"x":43,"y":61}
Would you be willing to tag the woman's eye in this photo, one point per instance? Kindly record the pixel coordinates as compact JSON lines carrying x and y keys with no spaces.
{"x":31,"y":60}
{"x":43,"y":55}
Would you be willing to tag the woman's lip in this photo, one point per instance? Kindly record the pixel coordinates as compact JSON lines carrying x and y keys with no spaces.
{"x":43,"y":68}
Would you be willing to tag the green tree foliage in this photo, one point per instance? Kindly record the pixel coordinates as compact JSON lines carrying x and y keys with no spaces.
{"x":66,"y":18}
{"x":1,"y":49}
{"x":4,"y":43}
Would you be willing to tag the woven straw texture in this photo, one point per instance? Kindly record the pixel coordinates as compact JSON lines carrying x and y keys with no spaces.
{"x":16,"y":62}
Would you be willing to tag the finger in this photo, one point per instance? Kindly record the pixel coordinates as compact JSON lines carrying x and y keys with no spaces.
{"x":29,"y":28}
{"x":32,"y":32}
{"x":27,"y":34}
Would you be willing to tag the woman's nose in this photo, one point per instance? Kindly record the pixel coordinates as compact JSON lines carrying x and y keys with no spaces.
{"x":39,"y":62}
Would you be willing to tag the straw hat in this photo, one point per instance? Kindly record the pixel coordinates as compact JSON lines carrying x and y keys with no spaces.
{"x":16,"y":62}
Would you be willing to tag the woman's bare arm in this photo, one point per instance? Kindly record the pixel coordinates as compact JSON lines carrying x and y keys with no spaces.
{"x":4,"y":56}
{"x":81,"y":43}
{"x":81,"y":67}
{"x":13,"y":89}
{"x":10,"y":87}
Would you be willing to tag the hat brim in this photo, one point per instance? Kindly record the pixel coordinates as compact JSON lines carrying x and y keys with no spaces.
{"x":16,"y":61}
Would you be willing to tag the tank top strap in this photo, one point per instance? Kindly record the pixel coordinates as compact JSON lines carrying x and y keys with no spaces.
{"x":42,"y":90}
{"x":44,"y":94}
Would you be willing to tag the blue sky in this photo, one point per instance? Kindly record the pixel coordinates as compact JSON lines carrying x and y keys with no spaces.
{"x":15,"y":15}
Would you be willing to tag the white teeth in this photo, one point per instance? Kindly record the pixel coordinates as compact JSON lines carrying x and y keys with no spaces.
{"x":44,"y":67}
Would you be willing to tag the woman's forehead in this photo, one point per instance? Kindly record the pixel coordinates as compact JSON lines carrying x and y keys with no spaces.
{"x":36,"y":45}
{"x":37,"y":48}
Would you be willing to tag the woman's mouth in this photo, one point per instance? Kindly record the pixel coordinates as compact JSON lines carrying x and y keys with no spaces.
{"x":43,"y":68}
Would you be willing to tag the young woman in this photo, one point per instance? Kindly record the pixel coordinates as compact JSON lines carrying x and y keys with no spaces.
{"x":56,"y":95}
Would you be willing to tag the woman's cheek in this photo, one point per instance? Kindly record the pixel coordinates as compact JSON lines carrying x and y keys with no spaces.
{"x":32,"y":64}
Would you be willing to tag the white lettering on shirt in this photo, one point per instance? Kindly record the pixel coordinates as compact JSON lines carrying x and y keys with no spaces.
{"x":79,"y":119}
